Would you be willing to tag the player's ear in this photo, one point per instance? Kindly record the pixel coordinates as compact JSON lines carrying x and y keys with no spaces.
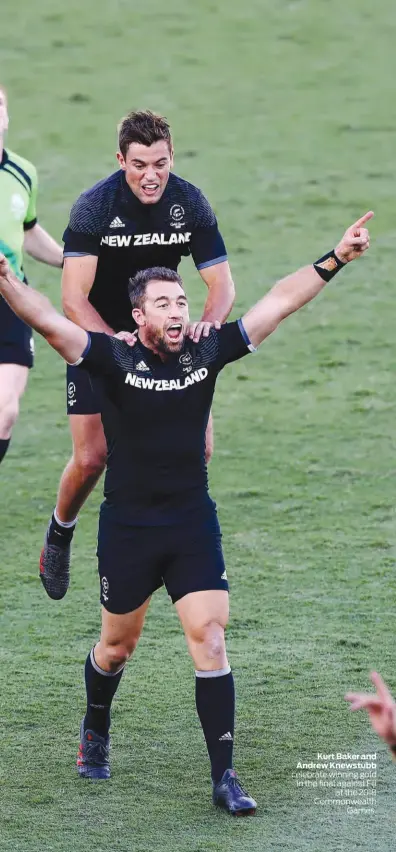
{"x":171,"y":152}
{"x":121,"y":160}
{"x":139,"y":317}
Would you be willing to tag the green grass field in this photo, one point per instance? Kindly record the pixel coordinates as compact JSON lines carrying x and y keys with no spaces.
{"x":283,"y":112}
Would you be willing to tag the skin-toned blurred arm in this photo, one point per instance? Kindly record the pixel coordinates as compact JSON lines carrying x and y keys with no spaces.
{"x":40,"y":245}
{"x":381,"y":709}
{"x":37,"y":311}
{"x":77,"y":280}
{"x":291,"y":293}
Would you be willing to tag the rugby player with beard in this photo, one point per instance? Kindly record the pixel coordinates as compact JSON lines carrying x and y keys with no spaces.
{"x":158,"y":524}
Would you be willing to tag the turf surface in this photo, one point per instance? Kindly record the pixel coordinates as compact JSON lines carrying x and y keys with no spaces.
{"x":283,"y":113}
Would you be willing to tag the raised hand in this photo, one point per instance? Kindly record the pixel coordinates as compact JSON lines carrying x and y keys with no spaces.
{"x":196,"y":330}
{"x":355,"y":241}
{"x":129,"y":337}
{"x":380,"y":706}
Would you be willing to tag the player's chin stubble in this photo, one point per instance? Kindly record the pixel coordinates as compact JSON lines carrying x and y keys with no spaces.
{"x":159,"y":342}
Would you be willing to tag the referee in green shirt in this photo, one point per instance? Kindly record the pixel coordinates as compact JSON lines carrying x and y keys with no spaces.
{"x":19,"y":232}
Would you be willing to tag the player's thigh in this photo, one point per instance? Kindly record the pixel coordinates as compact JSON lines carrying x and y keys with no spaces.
{"x":123,"y":630}
{"x":129,"y":562}
{"x":204,"y":616}
{"x":83,"y":391}
{"x":195,"y":560}
{"x":89,"y":442}
{"x":198,"y":610}
{"x":13,"y":381}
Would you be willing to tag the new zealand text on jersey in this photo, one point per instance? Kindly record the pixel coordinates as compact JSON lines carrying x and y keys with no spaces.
{"x":119,"y":240}
{"x":166,"y":384}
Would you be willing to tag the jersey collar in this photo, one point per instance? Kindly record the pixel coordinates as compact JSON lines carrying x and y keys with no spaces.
{"x":155,"y":359}
{"x":4,"y":158}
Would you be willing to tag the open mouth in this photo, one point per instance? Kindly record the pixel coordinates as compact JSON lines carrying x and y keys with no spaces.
{"x":175,"y":332}
{"x":150,"y":188}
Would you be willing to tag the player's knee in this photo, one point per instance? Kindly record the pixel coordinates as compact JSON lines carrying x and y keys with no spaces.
{"x":117,"y":655}
{"x":91,"y":463}
{"x":210,"y":640}
{"x":9,"y":410}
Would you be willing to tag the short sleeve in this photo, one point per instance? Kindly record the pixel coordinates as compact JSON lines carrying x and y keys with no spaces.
{"x":31,"y":213}
{"x":83,"y":233}
{"x":99,"y":355}
{"x":233,"y":343}
{"x":207,"y":244}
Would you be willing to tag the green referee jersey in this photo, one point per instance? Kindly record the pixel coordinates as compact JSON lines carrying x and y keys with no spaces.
{"x":18,"y":192}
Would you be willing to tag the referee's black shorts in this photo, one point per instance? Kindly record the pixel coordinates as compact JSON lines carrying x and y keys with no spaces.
{"x":134,"y":561}
{"x":16,"y":338}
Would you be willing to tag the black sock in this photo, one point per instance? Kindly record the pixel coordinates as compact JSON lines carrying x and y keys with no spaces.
{"x":215,"y":699}
{"x":4,"y":444}
{"x":101,"y":687}
{"x":58,"y":535}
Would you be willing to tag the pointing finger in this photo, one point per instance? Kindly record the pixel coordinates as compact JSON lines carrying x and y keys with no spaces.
{"x":381,"y":686}
{"x":363,"y":219}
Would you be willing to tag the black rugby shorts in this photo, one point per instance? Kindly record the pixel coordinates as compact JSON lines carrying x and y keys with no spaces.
{"x":16,"y":338}
{"x":135,"y":561}
{"x":82,"y":392}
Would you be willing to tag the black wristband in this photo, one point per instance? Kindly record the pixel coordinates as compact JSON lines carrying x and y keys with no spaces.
{"x":328,"y":266}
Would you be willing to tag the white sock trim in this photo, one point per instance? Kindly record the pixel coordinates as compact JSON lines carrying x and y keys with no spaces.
{"x":66,"y":524}
{"x":102,"y":671}
{"x":216,"y":673}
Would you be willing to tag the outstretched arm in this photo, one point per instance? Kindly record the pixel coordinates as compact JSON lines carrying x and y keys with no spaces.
{"x":291,"y":293}
{"x":37,"y":311}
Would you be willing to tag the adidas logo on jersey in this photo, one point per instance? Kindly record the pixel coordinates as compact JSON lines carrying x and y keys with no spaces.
{"x":226,"y":737}
{"x":143,"y":367}
{"x":117,"y":223}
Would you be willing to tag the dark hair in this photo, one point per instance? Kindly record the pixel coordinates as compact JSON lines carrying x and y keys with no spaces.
{"x":138,"y":284}
{"x":145,"y":127}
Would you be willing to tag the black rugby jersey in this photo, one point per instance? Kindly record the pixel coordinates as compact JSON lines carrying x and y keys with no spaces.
{"x":155,"y":415}
{"x":109,"y":221}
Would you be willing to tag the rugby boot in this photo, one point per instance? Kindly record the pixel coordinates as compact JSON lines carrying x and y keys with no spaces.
{"x":230,"y":795}
{"x":55,"y":566}
{"x":93,"y":755}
